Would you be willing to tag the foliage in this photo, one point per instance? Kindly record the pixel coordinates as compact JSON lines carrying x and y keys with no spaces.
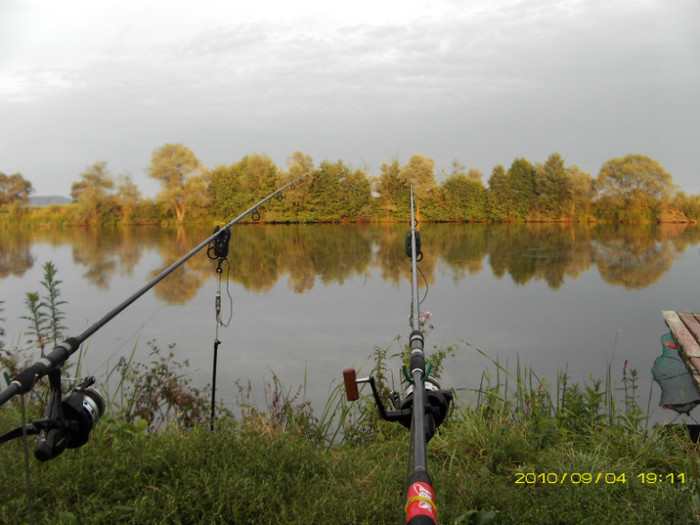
{"x":495,"y":459}
{"x":634,"y":188}
{"x":159,"y":392}
{"x":465,"y":198}
{"x":14,"y":189}
{"x":420,"y":172}
{"x":45,"y":313}
{"x":91,"y":194}
{"x":183,"y":178}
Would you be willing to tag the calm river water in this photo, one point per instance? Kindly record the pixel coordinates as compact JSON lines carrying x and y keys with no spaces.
{"x":311,"y":300}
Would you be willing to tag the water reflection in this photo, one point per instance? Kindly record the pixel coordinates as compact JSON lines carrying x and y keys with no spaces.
{"x":631,"y":256}
{"x":15,"y":255}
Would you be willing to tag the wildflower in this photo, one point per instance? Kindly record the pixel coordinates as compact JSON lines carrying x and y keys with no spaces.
{"x":624,"y":368}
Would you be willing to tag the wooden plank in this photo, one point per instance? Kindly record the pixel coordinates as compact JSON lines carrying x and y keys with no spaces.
{"x":689,"y":345}
{"x":691,"y":322}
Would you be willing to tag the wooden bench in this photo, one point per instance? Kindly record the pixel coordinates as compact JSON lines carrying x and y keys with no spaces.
{"x":685,"y":328}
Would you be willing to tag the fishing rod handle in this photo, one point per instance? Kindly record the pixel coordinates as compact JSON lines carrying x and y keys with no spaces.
{"x":420,"y":500}
{"x":27,"y":378}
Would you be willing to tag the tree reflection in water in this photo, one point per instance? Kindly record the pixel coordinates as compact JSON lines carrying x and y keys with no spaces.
{"x":631,"y":256}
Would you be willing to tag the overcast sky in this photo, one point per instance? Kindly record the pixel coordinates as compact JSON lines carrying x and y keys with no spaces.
{"x":366,"y":81}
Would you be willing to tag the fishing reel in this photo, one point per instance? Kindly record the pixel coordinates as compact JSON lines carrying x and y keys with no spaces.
{"x":437,"y":401}
{"x":67,"y":421}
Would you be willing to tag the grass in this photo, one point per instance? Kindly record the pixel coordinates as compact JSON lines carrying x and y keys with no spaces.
{"x":281,"y":464}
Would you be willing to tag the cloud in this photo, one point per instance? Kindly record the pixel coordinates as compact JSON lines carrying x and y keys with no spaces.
{"x":481,"y":81}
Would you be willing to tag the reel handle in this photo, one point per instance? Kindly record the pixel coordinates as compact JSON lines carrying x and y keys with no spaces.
{"x":351,"y":391}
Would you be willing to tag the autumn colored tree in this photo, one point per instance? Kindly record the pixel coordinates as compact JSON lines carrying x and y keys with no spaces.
{"x":183,"y":178}
{"x":128,"y":196}
{"x":14,"y":188}
{"x":419,"y":171}
{"x":297,"y":198}
{"x":581,"y":187}
{"x":635,"y":184}
{"x":91,"y":193}
{"x":387,"y":186}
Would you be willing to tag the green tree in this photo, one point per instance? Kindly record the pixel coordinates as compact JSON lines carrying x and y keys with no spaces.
{"x":91,"y":193}
{"x":581,"y":191}
{"x":552,"y":189}
{"x":522,"y":182}
{"x":129,"y":197}
{"x":419,"y":171}
{"x":355,"y":195}
{"x":465,"y":198}
{"x":183,"y":178}
{"x":14,"y":188}
{"x":297,"y":198}
{"x":636,"y":184}
{"x":235,"y":188}
{"x":501,"y":197}
{"x":387,"y":185}
{"x":325,"y":200}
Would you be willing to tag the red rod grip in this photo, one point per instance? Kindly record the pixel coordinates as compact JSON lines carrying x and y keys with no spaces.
{"x":351,"y":391}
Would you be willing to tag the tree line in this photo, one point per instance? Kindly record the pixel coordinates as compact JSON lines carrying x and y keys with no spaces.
{"x":634,"y":188}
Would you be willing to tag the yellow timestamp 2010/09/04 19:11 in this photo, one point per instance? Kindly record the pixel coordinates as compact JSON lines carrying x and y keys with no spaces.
{"x":584,"y":478}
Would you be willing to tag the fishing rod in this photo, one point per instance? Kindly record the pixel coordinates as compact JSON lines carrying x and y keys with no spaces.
{"x":51,"y":364}
{"x":424,"y":405}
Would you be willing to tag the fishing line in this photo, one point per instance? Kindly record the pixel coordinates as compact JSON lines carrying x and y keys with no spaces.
{"x":211,"y":253}
{"x":105,"y":362}
{"x":230,"y":298}
{"x":425,"y":280}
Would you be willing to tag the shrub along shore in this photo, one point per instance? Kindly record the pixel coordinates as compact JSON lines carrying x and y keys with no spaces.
{"x":634,"y":188}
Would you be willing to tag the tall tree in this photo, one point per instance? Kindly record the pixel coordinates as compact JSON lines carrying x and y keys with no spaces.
{"x":236,"y":187}
{"x":522,"y":181}
{"x":91,"y":193}
{"x":355,"y":195}
{"x":465,"y":197}
{"x":501,"y":198}
{"x":581,"y":191}
{"x":324,"y":201}
{"x":298,"y":165}
{"x":419,"y":171}
{"x":637,"y":182}
{"x":552,"y":190}
{"x":387,"y":186}
{"x":14,"y":188}
{"x":183,"y":178}
{"x":129,"y":197}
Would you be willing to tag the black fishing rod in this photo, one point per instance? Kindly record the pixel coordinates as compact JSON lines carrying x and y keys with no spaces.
{"x":424,"y":405}
{"x":27,"y":378}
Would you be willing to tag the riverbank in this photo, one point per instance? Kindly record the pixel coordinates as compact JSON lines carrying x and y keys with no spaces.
{"x":508,"y":459}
